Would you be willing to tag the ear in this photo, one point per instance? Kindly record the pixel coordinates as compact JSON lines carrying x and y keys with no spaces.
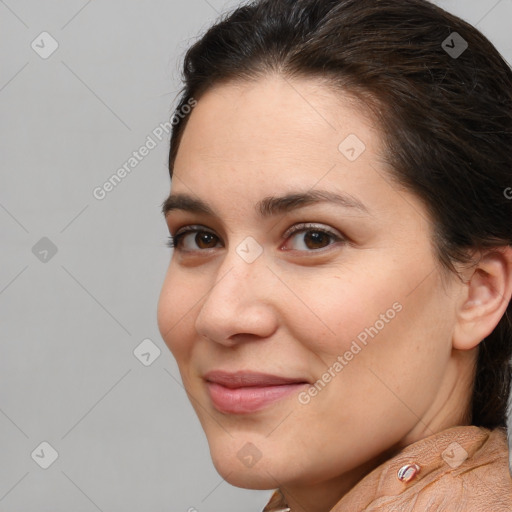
{"x":485,"y":297}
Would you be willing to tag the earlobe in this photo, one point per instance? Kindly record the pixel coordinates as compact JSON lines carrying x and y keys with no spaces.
{"x":484,"y":299}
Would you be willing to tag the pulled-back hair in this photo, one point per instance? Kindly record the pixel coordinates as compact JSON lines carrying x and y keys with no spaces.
{"x":446,"y":119}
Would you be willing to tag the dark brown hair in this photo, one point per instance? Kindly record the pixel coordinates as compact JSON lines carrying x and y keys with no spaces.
{"x":446,"y":118}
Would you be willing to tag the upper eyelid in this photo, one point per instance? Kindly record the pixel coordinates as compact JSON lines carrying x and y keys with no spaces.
{"x":311,"y":226}
{"x":292,"y":229}
{"x":193,"y":227}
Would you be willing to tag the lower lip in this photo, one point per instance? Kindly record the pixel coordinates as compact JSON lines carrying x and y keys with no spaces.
{"x":248,"y":399}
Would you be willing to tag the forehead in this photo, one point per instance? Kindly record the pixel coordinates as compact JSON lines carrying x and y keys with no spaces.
{"x":276,"y":127}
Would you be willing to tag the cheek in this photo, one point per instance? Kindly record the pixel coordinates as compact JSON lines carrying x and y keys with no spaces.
{"x":377,"y":319}
{"x":174,"y":312}
{"x":389,"y":339}
{"x":334,"y":310}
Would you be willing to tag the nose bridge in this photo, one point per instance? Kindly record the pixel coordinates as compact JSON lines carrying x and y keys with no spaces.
{"x":238,"y":275}
{"x":242,"y":267}
{"x":234,"y":303}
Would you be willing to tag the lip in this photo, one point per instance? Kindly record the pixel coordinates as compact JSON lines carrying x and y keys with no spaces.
{"x":247,"y":392}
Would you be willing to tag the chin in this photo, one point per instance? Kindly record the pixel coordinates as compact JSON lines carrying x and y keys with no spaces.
{"x":247,"y":478}
{"x":242,"y":467}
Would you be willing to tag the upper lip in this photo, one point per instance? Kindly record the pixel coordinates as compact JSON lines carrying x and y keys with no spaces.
{"x":244,"y":379}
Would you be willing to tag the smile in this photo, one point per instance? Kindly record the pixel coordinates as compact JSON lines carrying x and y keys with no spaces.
{"x":244,"y":392}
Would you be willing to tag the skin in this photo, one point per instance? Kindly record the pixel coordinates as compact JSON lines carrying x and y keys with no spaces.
{"x":300,"y":304}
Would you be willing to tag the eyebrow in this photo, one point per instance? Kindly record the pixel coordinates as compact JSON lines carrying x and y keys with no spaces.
{"x":269,"y":206}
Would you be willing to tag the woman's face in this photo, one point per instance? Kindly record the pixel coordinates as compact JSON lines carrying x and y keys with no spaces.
{"x":314,"y":334}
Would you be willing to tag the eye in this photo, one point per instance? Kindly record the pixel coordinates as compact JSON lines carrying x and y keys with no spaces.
{"x":183,"y":239}
{"x":197,"y":238}
{"x":313,"y":237}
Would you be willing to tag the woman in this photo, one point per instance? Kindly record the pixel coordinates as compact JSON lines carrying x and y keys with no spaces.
{"x":338,"y":298}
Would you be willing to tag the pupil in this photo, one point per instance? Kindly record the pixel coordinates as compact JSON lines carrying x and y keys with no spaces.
{"x":203,"y":238}
{"x":315,"y":237}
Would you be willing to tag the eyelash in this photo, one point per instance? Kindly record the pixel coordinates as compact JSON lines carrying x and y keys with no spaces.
{"x":174,"y":241}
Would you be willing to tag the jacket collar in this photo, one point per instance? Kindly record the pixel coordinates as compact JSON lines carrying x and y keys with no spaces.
{"x":461,"y":452}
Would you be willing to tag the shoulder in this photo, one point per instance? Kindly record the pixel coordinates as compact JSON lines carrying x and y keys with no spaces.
{"x":461,"y":469}
{"x":475,"y":476}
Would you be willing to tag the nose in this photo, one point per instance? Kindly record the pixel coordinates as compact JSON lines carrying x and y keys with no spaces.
{"x":238,"y":306}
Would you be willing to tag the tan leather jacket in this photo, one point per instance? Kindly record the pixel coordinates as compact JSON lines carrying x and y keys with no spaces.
{"x":461,"y":469}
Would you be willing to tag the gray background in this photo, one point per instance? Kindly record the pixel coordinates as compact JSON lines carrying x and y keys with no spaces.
{"x":126,"y":436}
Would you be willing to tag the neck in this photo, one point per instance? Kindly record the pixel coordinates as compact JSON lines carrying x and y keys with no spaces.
{"x":323,"y":496}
